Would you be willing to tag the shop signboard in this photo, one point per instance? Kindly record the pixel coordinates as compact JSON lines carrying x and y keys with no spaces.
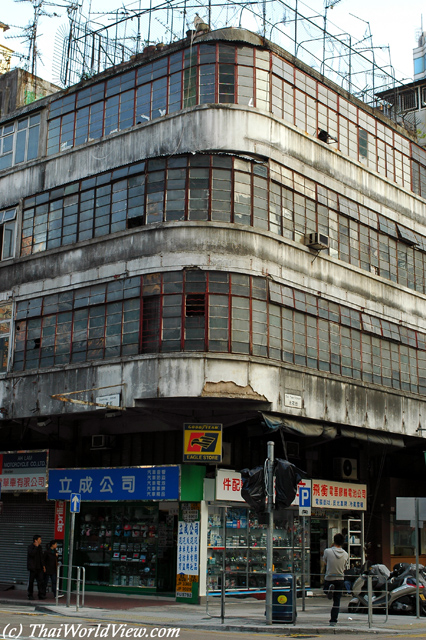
{"x":327,"y":494}
{"x":23,"y":471}
{"x":202,"y":442}
{"x":60,"y":507}
{"x":103,"y":484}
{"x":229,"y":485}
{"x":188,"y":543}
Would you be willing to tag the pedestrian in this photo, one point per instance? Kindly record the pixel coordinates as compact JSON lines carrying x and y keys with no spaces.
{"x":336,"y":561}
{"x":51,"y":565}
{"x":35,"y":565}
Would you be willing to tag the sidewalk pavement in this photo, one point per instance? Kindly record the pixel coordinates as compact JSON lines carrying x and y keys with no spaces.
{"x":246,"y":614}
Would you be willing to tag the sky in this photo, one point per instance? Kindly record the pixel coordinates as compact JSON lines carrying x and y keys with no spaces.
{"x":392,"y":22}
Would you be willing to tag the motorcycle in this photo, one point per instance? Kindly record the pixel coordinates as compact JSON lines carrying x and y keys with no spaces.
{"x":396,"y":589}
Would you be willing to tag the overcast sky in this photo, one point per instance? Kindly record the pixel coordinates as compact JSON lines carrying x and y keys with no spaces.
{"x":392,"y":22}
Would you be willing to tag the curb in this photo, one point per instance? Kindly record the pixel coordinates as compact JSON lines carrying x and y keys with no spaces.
{"x":283,"y":629}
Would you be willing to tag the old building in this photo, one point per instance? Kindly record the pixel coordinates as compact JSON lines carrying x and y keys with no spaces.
{"x":212,"y":233}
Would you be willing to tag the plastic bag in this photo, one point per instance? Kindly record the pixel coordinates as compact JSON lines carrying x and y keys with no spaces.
{"x":287,"y":477}
{"x":253,"y":490}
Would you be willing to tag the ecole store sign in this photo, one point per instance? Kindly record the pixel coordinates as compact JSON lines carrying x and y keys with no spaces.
{"x":325,"y":494}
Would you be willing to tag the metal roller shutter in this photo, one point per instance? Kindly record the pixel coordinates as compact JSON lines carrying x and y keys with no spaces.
{"x":22,"y":518}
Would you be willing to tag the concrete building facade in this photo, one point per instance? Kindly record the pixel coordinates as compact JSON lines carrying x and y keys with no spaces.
{"x":215,"y":233}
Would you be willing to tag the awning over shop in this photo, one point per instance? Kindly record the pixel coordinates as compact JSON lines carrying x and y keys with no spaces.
{"x":299,"y":427}
{"x":375,"y":437}
{"x":315,"y":430}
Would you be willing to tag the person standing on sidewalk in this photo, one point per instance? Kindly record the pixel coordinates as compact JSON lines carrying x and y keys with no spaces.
{"x":35,"y":565}
{"x":51,"y":565}
{"x":336,"y":561}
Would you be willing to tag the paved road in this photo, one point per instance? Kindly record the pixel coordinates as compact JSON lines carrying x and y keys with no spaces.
{"x":20,"y":623}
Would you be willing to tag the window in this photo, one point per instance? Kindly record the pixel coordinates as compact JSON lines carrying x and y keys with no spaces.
{"x":5,"y":322}
{"x":363,"y":143}
{"x":408,"y":100}
{"x":19,"y":141}
{"x":7,"y":233}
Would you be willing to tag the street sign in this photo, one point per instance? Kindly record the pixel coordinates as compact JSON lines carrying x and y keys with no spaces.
{"x":75,"y":500}
{"x":304,"y":501}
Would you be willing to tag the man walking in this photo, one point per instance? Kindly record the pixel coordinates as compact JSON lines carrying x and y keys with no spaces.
{"x":336,"y":561}
{"x":35,"y":566}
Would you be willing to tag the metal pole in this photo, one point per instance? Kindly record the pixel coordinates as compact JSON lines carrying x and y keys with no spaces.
{"x":370,"y":600}
{"x":223,"y":585}
{"x":84,"y":586}
{"x":70,"y":559}
{"x":295,"y":29}
{"x":303,"y":562}
{"x":387,"y":602}
{"x":57,"y":582}
{"x":417,"y":561}
{"x":269,"y":539}
{"x":77,"y":602}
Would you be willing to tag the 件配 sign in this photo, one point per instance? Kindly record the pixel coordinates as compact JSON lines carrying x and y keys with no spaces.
{"x":202,"y":442}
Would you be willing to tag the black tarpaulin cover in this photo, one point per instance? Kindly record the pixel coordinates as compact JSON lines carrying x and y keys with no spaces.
{"x":253,"y":490}
{"x":287,"y":477}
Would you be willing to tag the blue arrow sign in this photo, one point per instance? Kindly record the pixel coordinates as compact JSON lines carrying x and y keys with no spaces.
{"x":75,"y":500}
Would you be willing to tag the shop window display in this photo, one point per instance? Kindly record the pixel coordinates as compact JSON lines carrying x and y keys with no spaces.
{"x":117,"y":544}
{"x":236,"y":543}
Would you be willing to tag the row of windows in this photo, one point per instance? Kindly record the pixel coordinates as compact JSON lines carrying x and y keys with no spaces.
{"x":19,"y":141}
{"x":219,"y":312}
{"x":224,"y":189}
{"x":221,"y":73}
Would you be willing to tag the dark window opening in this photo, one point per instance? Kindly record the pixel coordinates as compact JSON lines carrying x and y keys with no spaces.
{"x":195,"y":305}
{"x":150,"y":324}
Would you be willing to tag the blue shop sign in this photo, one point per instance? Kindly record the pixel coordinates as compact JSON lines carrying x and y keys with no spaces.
{"x":132,"y":483}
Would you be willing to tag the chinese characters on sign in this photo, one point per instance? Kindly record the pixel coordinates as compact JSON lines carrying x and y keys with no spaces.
{"x":228,"y":485}
{"x":134,"y":483}
{"x":339,"y":495}
{"x":23,"y":470}
{"x":188,"y":539}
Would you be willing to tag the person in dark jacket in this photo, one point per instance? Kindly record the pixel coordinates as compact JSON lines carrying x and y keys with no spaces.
{"x":35,"y":565}
{"x":51,"y":565}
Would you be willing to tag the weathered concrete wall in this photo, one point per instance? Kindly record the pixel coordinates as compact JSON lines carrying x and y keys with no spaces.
{"x":181,"y":244}
{"x":220,"y":128}
{"x":324,"y":398}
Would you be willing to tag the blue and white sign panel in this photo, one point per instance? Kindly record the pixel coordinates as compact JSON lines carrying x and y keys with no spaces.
{"x":75,"y":501}
{"x":132,"y":483}
{"x":305,"y":497}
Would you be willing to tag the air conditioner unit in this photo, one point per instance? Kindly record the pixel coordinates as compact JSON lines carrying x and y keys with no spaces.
{"x":345,"y":468}
{"x":318,"y":241}
{"x":100,"y":442}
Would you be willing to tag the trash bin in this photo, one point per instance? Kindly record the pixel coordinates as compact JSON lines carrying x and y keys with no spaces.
{"x":283,"y":598}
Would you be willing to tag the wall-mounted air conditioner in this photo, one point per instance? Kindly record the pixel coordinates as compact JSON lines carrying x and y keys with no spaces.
{"x":317,"y":241}
{"x":345,"y":468}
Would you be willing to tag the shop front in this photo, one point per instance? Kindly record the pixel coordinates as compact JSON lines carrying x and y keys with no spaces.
{"x":128,"y":531}
{"x":24,"y":511}
{"x":234,"y":540}
{"x":337,"y":507}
